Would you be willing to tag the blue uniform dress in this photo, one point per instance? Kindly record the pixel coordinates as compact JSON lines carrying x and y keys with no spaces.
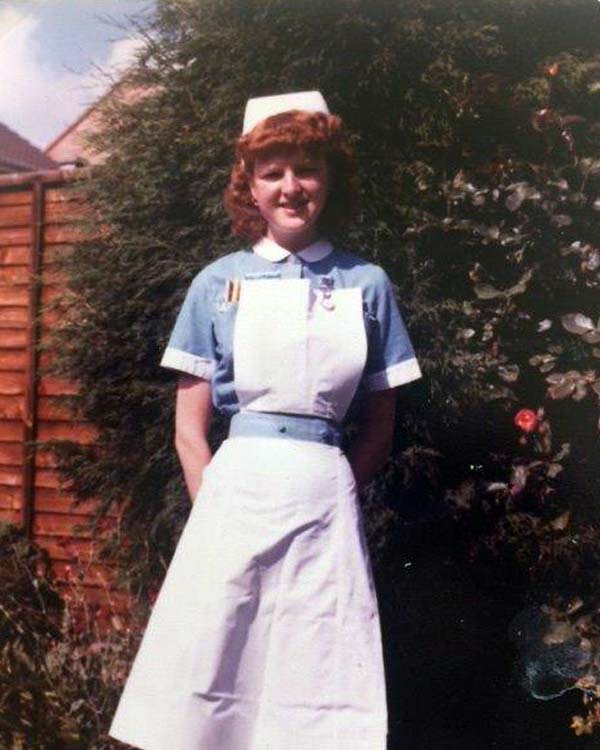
{"x":265,"y":634}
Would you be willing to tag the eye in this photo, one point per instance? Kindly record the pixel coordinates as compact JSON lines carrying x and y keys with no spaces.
{"x":270,"y":174}
{"x":308,"y":169}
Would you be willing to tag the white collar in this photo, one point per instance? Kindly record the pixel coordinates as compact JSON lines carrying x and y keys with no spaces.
{"x":270,"y":250}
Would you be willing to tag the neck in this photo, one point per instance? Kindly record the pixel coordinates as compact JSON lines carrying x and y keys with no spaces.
{"x":295,"y":242}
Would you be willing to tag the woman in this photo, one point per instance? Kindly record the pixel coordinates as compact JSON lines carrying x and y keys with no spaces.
{"x":265,"y":634}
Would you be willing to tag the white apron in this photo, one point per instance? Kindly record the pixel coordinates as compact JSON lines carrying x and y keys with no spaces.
{"x":265,"y":634}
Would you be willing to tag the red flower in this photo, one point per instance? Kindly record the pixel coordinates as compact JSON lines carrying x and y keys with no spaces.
{"x":553,"y":70}
{"x":526,"y":420}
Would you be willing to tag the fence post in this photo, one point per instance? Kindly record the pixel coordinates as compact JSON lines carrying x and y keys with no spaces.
{"x":30,"y":400}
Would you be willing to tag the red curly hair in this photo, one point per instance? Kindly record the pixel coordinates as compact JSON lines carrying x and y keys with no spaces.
{"x":315,"y":133}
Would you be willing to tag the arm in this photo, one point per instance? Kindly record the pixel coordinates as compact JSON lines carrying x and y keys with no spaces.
{"x":193,"y":410}
{"x":371,"y":446}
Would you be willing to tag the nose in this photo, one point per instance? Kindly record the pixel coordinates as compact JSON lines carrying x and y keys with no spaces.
{"x":290,"y":184}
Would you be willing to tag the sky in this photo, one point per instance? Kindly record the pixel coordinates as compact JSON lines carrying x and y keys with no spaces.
{"x":51,"y":52}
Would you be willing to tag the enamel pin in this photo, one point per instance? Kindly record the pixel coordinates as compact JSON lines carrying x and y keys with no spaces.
{"x":326,"y":284}
{"x":232,"y":290}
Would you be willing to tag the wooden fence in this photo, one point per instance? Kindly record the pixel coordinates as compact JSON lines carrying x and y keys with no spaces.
{"x":38,"y":223}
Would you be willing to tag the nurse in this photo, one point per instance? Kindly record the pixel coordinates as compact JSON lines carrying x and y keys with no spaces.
{"x":265,"y":634}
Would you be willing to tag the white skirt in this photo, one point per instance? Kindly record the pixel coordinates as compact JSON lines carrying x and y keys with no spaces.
{"x":265,"y":634}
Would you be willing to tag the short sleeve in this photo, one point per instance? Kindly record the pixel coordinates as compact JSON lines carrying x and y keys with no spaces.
{"x":191,"y":347}
{"x":391,"y":359}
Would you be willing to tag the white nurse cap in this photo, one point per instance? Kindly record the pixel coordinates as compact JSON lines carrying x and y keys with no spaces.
{"x":261,"y":107}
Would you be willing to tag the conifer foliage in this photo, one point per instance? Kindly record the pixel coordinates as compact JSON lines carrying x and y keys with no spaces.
{"x":478,"y":130}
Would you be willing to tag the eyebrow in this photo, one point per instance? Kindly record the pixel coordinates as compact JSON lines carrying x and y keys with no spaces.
{"x":277,"y":165}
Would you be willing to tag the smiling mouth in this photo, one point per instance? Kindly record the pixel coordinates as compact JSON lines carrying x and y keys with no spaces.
{"x":293,"y":206}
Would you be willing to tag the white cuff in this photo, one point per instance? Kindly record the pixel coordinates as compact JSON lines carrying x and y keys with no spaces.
{"x":175,"y":359}
{"x":398,"y":374}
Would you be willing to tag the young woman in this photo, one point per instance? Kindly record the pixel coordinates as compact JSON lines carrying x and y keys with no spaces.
{"x":265,"y":634}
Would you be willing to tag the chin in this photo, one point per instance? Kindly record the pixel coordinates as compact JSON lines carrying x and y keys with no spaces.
{"x":295,"y":228}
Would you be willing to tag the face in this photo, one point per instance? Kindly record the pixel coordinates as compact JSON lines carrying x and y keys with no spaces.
{"x":290,"y":188}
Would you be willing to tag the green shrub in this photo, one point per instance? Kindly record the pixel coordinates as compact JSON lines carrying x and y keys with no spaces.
{"x":61,"y":665}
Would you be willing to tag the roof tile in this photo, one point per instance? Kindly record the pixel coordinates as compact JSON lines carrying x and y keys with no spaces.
{"x":18,"y":155}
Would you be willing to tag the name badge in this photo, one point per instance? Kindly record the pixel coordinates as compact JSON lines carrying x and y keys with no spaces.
{"x":262,"y":275}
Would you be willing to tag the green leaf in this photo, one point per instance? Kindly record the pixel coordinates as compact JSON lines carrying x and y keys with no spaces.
{"x":577,"y":323}
{"x":561,"y":220}
{"x":509,"y":373}
{"x":561,"y":522}
{"x":487,"y":291}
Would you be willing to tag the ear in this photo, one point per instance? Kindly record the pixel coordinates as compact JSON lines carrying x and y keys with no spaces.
{"x":252,"y":191}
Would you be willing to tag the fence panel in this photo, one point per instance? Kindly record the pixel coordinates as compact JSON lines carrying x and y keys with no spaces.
{"x":39,"y":216}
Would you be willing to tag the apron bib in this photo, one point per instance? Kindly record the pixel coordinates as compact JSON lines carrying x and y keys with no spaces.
{"x":296,"y":351}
